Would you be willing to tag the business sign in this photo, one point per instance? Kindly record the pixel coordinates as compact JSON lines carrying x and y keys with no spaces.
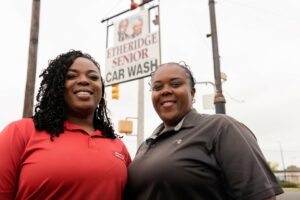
{"x":135,"y":53}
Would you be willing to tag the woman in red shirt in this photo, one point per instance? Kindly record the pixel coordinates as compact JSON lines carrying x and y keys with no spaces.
{"x":68,"y":149}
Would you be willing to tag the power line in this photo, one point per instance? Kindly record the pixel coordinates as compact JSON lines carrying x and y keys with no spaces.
{"x":262,"y":10}
{"x":113,"y":8}
{"x":278,"y":21}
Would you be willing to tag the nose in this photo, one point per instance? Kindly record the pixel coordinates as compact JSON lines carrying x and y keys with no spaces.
{"x":166,"y":90}
{"x":83,"y":80}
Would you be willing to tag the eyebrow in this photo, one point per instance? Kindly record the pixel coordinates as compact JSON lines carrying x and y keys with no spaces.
{"x":172,"y":79}
{"x":89,"y":71}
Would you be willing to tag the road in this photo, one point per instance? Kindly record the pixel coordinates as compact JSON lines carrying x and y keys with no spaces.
{"x":290,"y":194}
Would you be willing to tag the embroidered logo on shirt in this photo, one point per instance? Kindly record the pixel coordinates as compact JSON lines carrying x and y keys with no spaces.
{"x":178,"y":141}
{"x":119,"y":155}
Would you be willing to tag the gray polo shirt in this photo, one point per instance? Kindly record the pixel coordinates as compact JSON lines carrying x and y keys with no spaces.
{"x":205,"y":157}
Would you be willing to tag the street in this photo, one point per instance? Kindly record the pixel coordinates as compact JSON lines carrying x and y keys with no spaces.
{"x":289,"y":194}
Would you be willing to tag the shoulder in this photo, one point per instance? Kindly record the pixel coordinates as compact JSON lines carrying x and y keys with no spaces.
{"x":218,"y":124}
{"x":223,"y":122}
{"x":217,"y":120}
{"x":21,"y":123}
{"x":19,"y":128}
{"x":231,"y":129}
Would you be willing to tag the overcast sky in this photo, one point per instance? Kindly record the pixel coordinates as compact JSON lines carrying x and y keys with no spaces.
{"x":259,"y":46}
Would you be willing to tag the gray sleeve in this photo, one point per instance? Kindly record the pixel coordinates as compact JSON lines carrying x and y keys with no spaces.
{"x":245,"y":172}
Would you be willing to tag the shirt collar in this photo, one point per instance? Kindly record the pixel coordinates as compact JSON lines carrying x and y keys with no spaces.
{"x":185,"y":122}
{"x":74,"y":127}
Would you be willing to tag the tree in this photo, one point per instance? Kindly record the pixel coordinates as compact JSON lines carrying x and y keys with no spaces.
{"x":273,"y":165}
{"x":293,"y":168}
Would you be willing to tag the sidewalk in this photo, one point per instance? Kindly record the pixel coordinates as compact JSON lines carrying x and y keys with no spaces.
{"x":289,"y":194}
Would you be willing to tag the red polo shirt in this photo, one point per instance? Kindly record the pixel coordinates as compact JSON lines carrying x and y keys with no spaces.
{"x":75,"y":165}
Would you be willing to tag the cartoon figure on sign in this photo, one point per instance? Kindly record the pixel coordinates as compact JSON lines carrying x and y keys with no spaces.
{"x":137,"y":27}
{"x":122,"y":31}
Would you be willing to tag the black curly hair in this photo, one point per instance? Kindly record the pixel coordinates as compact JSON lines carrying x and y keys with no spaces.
{"x":50,"y":111}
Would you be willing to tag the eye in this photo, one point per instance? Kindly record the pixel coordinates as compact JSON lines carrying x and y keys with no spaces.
{"x":94,"y":77}
{"x":175,"y":84}
{"x":70,"y":76}
{"x":157,"y":87}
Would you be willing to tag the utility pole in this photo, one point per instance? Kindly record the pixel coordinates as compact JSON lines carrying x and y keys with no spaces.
{"x":282,"y":161}
{"x":219,"y":100}
{"x":32,"y":59}
{"x":140,"y":125}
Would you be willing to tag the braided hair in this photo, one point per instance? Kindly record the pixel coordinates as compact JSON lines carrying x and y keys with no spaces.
{"x":51,"y":111}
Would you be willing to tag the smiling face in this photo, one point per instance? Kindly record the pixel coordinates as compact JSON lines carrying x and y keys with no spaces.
{"x":137,"y":27}
{"x":83,"y":88}
{"x":123,"y":26}
{"x":172,"y":94}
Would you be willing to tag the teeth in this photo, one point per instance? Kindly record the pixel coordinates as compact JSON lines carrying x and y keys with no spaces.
{"x":83,"y":93}
{"x":168,"y":103}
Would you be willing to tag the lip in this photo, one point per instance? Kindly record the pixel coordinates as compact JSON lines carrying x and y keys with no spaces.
{"x":167,"y":103}
{"x":83,"y":91}
{"x":167,"y":100}
{"x":83,"y":94}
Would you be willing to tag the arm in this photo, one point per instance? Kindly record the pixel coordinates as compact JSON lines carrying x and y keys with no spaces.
{"x":245,"y":172}
{"x":11,"y":148}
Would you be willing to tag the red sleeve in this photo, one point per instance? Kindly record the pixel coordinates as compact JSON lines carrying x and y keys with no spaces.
{"x":12,"y":145}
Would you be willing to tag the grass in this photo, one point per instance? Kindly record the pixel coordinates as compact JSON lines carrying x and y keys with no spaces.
{"x":291,"y":189}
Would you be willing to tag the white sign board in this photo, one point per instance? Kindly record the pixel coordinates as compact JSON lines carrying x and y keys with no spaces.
{"x":208,"y":101}
{"x":135,"y":53}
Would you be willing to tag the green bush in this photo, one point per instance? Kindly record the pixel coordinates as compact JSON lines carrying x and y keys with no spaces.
{"x":288,"y":184}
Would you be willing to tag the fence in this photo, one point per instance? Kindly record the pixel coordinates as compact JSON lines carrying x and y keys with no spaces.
{"x":290,"y":176}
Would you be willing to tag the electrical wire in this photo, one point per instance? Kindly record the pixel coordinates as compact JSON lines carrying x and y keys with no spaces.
{"x":263,"y":10}
{"x":232,"y":98}
{"x":114,"y":6}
